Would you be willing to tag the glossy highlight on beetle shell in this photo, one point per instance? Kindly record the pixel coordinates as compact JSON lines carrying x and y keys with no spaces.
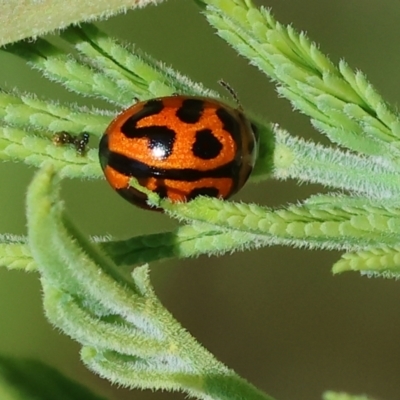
{"x":179,"y":147}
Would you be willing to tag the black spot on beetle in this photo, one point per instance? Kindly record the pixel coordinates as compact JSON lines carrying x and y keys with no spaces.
{"x":206,"y":145}
{"x":151,"y":107}
{"x":230,"y":124}
{"x":204,"y":191}
{"x":161,"y":140}
{"x":191,"y":110}
{"x":161,"y":191}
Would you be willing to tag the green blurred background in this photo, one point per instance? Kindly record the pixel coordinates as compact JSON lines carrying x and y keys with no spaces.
{"x":277,"y":316}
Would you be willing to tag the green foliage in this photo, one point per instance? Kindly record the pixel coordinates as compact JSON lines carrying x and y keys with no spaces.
{"x":126,"y":334}
{"x":343,"y":396}
{"x":20,"y":20}
{"x":25,"y":379}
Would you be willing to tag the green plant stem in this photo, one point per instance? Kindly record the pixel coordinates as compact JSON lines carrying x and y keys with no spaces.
{"x":308,"y":162}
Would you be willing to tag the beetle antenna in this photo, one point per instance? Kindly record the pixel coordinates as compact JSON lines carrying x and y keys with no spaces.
{"x":229,"y":89}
